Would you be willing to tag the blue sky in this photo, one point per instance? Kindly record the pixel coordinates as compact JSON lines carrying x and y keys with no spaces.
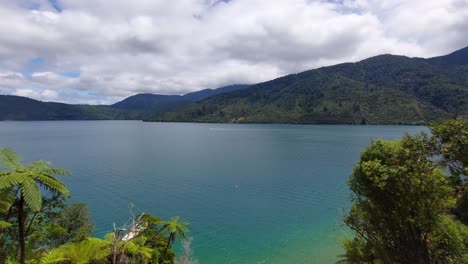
{"x":100,"y":51}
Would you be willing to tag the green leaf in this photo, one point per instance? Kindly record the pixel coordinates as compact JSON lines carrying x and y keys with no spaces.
{"x":31,"y":194}
{"x":7,"y":197}
{"x":51,"y":183}
{"x":86,"y":251}
{"x":58,"y":171}
{"x":54,"y":256}
{"x":10,"y":160}
{"x":38,"y":165}
{"x":11,"y":179}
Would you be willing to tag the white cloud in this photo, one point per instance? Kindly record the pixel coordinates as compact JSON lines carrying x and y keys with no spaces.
{"x":44,"y":95}
{"x":124,"y":47}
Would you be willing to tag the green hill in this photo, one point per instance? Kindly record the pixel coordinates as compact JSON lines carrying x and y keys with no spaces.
{"x":385,"y":89}
{"x":134,"y":107}
{"x":158,"y":103}
{"x":22,"y":108}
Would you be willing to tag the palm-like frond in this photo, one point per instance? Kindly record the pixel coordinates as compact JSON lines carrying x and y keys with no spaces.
{"x":10,"y":160}
{"x":54,"y":256}
{"x":175,"y":227}
{"x":42,"y":167}
{"x":137,"y":251}
{"x":92,"y":249}
{"x":28,"y":177}
{"x":57,"y":171}
{"x":139,"y":241}
{"x":7,"y":197}
{"x":51,"y":183}
{"x":11,"y":179}
{"x":31,"y":194}
{"x":38,"y":165}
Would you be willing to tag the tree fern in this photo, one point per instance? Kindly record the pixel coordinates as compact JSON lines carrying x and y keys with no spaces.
{"x":27,"y":180}
{"x":86,"y":251}
{"x":136,"y":250}
{"x":176,"y":230}
{"x":174,"y":226}
{"x":54,"y":256}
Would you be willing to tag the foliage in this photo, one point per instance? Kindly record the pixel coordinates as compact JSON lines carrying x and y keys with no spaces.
{"x":90,"y":250}
{"x":385,"y":89}
{"x":402,"y":197}
{"x":45,"y":229}
{"x":27,"y":181}
{"x":59,"y":224}
{"x":176,"y":230}
{"x":135,"y":107}
{"x":22,"y":108}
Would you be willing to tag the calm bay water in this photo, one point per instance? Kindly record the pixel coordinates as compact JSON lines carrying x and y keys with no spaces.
{"x":252,"y":193}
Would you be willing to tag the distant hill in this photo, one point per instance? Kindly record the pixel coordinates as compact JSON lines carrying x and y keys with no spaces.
{"x":22,"y":108}
{"x":385,"y":89}
{"x":157,"y":103}
{"x":200,"y":95}
{"x":134,"y":107}
{"x":459,"y":57}
{"x":150,"y":102}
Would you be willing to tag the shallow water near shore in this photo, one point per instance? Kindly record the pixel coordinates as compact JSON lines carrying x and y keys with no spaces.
{"x":252,"y":193}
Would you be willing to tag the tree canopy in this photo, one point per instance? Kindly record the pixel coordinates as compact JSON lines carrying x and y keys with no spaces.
{"x":408,"y":198}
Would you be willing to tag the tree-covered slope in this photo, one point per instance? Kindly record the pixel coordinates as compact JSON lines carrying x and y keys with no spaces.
{"x":22,"y":108}
{"x":385,"y":89}
{"x":134,"y":107}
{"x":200,"y":95}
{"x":158,"y":103}
{"x":151,"y":102}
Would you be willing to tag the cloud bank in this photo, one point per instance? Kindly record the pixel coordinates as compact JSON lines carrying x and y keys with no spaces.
{"x":96,"y":51}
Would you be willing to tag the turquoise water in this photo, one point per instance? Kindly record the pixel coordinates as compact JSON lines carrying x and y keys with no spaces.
{"x":252,"y":193}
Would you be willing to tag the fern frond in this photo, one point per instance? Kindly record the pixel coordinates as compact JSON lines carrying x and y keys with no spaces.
{"x":86,"y":251}
{"x":51,"y":183}
{"x":7,"y":197}
{"x":139,"y":241}
{"x":10,"y":160}
{"x":38,"y":165}
{"x":11,"y":179}
{"x":31,"y":194}
{"x":56,"y":255}
{"x":4,"y":224}
{"x":136,"y":250}
{"x":57,"y":171}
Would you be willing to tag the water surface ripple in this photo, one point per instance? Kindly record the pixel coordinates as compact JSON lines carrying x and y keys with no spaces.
{"x":253,"y":193}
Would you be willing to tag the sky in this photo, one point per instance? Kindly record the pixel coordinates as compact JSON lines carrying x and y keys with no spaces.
{"x":99,"y":52}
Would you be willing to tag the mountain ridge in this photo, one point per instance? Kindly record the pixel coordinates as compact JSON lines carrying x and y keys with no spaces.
{"x":384,"y":89}
{"x":160,"y":103}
